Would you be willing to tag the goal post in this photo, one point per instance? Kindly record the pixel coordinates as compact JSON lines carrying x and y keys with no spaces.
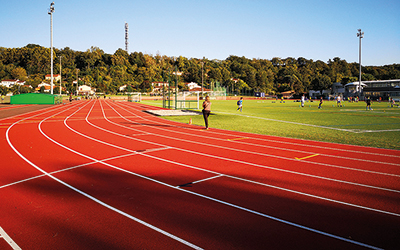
{"x":187,"y":100}
{"x":134,"y":97}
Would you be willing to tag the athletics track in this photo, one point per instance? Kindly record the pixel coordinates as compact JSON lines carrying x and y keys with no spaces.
{"x":105,"y":175}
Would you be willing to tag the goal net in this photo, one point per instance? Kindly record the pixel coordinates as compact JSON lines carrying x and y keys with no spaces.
{"x":134,"y":97}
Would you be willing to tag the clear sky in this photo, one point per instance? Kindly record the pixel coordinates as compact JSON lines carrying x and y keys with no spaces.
{"x":214,"y":29}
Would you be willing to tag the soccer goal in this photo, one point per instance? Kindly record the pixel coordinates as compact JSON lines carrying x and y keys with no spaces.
{"x":134,"y":97}
{"x":187,"y":100}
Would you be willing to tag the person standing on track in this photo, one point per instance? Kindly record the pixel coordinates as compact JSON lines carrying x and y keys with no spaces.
{"x":206,"y":110}
{"x":240,"y":104}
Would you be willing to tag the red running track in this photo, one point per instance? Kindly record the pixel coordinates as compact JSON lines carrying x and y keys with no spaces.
{"x":106,"y":175}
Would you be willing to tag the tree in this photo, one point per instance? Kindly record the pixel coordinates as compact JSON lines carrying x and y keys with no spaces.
{"x":321,"y":82}
{"x":19,"y":73}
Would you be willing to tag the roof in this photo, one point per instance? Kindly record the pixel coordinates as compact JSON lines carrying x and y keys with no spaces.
{"x":10,"y":80}
{"x":355,"y":84}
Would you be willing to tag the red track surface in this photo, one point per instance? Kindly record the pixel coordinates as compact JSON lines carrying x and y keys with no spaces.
{"x":106,"y":175}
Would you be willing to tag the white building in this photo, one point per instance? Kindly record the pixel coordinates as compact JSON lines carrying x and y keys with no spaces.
{"x":56,"y":78}
{"x":158,"y":86}
{"x":353,"y":88}
{"x":11,"y":82}
{"x":85,"y":90}
{"x":47,"y":87}
{"x":192,"y":85}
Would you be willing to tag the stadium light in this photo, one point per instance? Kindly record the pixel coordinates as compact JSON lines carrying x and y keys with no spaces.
{"x":60,"y":76}
{"x":50,"y":12}
{"x":360,"y":35}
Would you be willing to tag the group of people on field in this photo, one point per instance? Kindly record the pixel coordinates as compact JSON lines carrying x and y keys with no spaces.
{"x":207,"y":105}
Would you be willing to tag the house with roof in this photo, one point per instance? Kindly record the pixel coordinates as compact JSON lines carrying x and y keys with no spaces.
{"x":158,"y":86}
{"x":45,"y":85}
{"x":192,"y":85}
{"x":11,"y":82}
{"x":56,"y":78}
{"x":85,"y":90}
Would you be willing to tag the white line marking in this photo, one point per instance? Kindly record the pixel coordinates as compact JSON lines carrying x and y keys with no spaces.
{"x":208,"y":178}
{"x":8,"y":239}
{"x":356,"y":131}
{"x":66,"y":169}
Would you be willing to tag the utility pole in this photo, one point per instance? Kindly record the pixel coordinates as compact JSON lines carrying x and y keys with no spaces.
{"x":77,"y":81}
{"x":202,"y":66}
{"x":60,"y":75}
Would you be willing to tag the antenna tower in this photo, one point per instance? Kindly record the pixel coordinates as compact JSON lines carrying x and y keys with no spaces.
{"x":126,"y":37}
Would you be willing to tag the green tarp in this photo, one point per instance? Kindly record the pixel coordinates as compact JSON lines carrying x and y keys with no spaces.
{"x":35,"y":98}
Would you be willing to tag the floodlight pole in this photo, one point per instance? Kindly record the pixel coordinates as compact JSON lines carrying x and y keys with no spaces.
{"x":51,"y":10}
{"x":60,"y":76}
{"x":360,"y":35}
{"x":176,"y":87}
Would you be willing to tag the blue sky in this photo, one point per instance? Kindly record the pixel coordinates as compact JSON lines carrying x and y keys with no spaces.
{"x":214,"y":29}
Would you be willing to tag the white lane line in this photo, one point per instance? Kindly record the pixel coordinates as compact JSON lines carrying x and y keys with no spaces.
{"x":218,"y":201}
{"x":8,"y":239}
{"x":67,"y":169}
{"x":89,"y":196}
{"x":356,"y":131}
{"x":206,"y":179}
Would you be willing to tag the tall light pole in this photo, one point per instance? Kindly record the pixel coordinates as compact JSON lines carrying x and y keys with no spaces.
{"x":60,"y":76}
{"x":360,"y":35}
{"x":51,"y":10}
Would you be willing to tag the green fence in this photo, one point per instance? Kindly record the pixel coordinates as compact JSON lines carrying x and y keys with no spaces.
{"x":36,"y":98}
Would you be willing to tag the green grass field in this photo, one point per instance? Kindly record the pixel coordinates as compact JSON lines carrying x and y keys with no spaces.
{"x":350,"y":124}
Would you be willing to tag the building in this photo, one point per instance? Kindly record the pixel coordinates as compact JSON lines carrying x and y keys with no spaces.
{"x":56,"y":78}
{"x":85,"y":90}
{"x":11,"y":82}
{"x":381,"y":88}
{"x":46,"y":86}
{"x":158,"y":86}
{"x":192,"y":85}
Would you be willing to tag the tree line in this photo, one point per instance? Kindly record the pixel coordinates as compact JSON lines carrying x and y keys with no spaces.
{"x":107,"y":72}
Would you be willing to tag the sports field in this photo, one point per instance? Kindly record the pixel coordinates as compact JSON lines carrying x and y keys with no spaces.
{"x":102,"y":174}
{"x":349,"y":124}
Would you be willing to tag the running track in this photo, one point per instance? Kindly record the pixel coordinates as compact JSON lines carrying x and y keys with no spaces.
{"x":106,"y":175}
